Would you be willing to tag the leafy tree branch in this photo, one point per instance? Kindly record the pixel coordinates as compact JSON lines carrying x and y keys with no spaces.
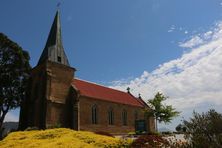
{"x":14,"y":74}
{"x":161,"y":112}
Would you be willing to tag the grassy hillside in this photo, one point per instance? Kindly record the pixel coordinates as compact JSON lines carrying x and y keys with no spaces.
{"x":60,"y":137}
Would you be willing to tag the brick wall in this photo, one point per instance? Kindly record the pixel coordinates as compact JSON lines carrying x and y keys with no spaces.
{"x":58,"y":92}
{"x":59,"y":79}
{"x":103,"y":106}
{"x":47,"y":94}
{"x":32,"y":112}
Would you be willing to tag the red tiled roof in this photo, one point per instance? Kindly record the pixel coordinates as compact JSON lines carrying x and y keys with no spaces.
{"x":104,"y":93}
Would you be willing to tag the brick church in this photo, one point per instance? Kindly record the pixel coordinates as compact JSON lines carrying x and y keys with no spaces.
{"x":56,"y":97}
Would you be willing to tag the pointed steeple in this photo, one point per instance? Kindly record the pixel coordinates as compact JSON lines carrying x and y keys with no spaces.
{"x":54,"y":50}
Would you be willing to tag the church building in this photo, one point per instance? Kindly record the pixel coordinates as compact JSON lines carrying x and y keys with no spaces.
{"x":55,"y":97}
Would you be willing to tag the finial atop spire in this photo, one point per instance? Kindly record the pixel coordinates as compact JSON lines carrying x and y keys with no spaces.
{"x":54,"y":50}
{"x":58,"y":5}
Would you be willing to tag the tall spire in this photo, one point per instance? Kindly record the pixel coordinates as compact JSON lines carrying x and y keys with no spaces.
{"x":54,"y":50}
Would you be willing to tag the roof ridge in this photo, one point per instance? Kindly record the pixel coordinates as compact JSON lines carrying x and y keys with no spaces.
{"x":142,"y":101}
{"x":138,"y":99}
{"x":101,"y":85}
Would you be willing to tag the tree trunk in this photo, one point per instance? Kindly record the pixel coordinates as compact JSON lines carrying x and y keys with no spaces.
{"x":1,"y":124}
{"x":1,"y":120}
{"x":156,"y":125}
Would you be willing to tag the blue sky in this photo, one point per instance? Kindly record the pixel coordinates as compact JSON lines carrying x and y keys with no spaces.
{"x":150,"y":45}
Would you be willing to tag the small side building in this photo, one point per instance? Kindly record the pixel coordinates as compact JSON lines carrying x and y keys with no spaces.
{"x":56,"y":97}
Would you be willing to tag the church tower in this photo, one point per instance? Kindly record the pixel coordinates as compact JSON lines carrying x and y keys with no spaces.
{"x":49,"y":85}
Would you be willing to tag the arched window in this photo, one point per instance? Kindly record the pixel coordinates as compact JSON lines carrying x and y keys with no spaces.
{"x":111,"y":116}
{"x":94,"y":114}
{"x":136,"y":115}
{"x":124,"y":117}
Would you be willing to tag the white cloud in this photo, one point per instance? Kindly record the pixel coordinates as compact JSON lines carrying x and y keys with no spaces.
{"x":172,"y":28}
{"x":191,"y":80}
{"x":194,"y":41}
{"x":186,"y":32}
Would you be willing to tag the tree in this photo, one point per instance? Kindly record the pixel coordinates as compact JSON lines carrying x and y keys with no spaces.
{"x":14,"y":74}
{"x":161,"y":112}
{"x":205,"y":130}
{"x":181,"y":128}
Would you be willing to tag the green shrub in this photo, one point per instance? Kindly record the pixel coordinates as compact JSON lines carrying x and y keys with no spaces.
{"x":131,"y":133}
{"x":140,"y":132}
{"x":205,"y":130}
{"x":56,"y":125}
{"x":167,"y":133}
{"x":154,"y":133}
{"x":31,"y":128}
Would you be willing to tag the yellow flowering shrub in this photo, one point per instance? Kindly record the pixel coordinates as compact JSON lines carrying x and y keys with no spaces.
{"x":60,"y":137}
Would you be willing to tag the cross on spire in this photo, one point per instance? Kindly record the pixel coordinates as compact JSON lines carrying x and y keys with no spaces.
{"x":128,"y":89}
{"x":139,"y":95}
